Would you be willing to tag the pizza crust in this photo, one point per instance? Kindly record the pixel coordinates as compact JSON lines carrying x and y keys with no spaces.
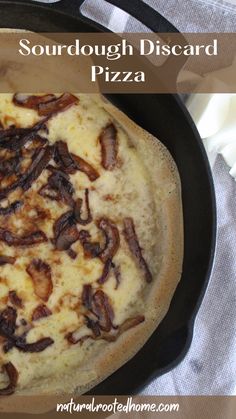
{"x":166,"y":193}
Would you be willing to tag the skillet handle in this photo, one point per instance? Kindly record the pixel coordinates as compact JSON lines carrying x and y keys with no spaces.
{"x":156,"y":23}
{"x":140,"y":11}
{"x":136,"y":8}
{"x":70,"y":7}
{"x":145,"y":14}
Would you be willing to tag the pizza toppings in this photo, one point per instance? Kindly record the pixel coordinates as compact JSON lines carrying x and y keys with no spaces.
{"x":66,"y":225}
{"x":117,"y":273}
{"x":112,"y":239}
{"x":11,"y":165}
{"x":109,"y":146}
{"x":8,"y":322}
{"x":105,"y":273}
{"x":62,"y":222}
{"x":15,"y":143}
{"x":24,"y":156}
{"x":47,"y":192}
{"x":15,"y":138}
{"x":11,"y":209}
{"x":15,"y":299}
{"x":126,"y":325}
{"x":87,"y":296}
{"x":6,"y":190}
{"x":98,"y":305}
{"x":12,"y":374}
{"x":78,"y":208}
{"x":108,"y":267}
{"x":65,"y":231}
{"x":46,"y":104}
{"x":63,"y":157}
{"x":71,"y":253}
{"x":70,"y":163}
{"x":99,"y":318}
{"x":85,"y":167}
{"x":4,"y":260}
{"x":30,"y":239}
{"x":91,"y":249}
{"x":40,"y":273}
{"x":60,"y":183}
{"x":79,"y":335}
{"x":112,"y":242}
{"x":67,"y":237}
{"x":31,"y":102}
{"x":38,"y":346}
{"x":38,"y":165}
{"x":94,"y":325}
{"x":57,"y":105}
{"x":40,"y":312}
{"x":35,"y":144}
{"x":8,"y":328}
{"x":101,"y":307}
{"x":6,"y":135}
{"x":132,"y":240}
{"x":39,"y":162}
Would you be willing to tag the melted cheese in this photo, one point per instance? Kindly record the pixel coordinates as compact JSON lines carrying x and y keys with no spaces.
{"x":116,"y":194}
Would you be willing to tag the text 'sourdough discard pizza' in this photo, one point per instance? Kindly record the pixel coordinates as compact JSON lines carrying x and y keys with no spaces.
{"x":90,"y":241}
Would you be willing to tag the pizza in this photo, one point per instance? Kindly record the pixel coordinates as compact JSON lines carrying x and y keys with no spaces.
{"x":91,"y":241}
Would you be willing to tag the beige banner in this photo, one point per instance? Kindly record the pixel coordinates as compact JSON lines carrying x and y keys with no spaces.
{"x":117,"y":63}
{"x":119,"y":407}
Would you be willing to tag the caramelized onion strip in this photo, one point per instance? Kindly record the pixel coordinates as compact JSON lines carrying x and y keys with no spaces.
{"x":78,"y":210}
{"x":112,"y":237}
{"x":109,"y":147}
{"x":13,"y":375}
{"x":40,"y":273}
{"x":135,"y":249}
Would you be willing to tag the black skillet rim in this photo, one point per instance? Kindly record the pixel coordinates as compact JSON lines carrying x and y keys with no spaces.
{"x":190,"y":322}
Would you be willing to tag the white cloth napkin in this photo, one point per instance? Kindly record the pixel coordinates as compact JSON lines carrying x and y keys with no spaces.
{"x":214,"y":115}
{"x":210,"y":365}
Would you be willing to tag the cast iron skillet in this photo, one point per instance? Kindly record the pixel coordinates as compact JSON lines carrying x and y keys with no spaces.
{"x":166,"y":118}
